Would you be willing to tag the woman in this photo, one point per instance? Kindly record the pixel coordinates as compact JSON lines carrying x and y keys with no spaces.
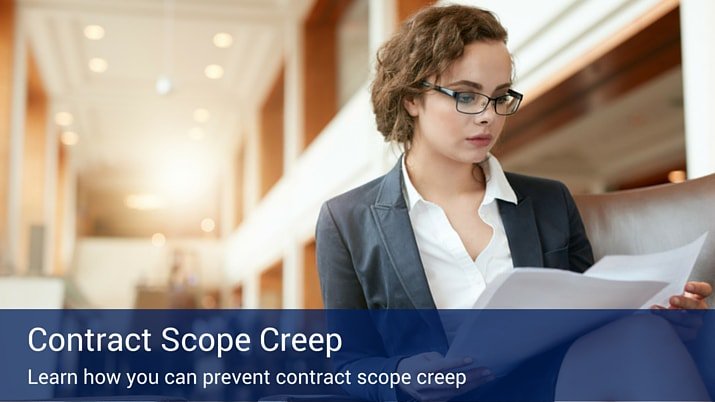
{"x":446,"y":220}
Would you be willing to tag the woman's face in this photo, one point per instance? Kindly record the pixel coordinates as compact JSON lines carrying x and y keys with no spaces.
{"x":443,"y":132}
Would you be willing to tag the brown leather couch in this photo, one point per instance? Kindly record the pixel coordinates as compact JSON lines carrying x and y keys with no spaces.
{"x":654,"y":219}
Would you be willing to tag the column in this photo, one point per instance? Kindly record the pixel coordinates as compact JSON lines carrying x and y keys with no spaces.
{"x":251,"y":291}
{"x":293,"y":100}
{"x":52,"y":174}
{"x":7,"y":32}
{"x":227,"y":190}
{"x":697,"y":36}
{"x":33,"y":231}
{"x":69,"y":210}
{"x":383,"y":14}
{"x":384,"y":20}
{"x":292,"y":275}
{"x":252,"y":165}
{"x":15,"y":150}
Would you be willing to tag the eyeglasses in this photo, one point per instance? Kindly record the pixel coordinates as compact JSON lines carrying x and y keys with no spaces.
{"x":475,"y":103}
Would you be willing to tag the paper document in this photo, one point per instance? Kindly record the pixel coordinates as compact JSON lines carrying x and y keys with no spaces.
{"x":671,"y":267}
{"x":615,"y":282}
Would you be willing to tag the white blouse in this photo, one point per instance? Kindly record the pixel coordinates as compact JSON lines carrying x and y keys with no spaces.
{"x":455,"y":280}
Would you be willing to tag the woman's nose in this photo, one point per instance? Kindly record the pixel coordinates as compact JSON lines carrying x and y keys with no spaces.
{"x":486,"y":116}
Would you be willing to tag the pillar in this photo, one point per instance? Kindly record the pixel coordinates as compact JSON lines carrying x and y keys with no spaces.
{"x":7,"y":34}
{"x":13,"y":190}
{"x":292,"y":275}
{"x":293,"y":98}
{"x":697,"y":36}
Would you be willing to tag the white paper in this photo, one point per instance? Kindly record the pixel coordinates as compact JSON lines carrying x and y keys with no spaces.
{"x":615,"y":282}
{"x":540,"y":288}
{"x":672,"y":267}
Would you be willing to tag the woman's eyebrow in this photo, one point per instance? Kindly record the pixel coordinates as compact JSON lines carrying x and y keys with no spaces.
{"x":476,"y":85}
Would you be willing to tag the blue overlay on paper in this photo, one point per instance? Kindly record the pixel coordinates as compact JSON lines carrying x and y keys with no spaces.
{"x":226,"y":355}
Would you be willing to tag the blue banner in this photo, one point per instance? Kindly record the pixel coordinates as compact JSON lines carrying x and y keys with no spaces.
{"x":465,"y":355}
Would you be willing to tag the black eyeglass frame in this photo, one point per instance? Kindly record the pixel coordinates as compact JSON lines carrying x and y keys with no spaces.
{"x":455,"y":95}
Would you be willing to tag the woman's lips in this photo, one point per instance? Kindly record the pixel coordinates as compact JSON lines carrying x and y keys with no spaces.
{"x":480,"y":140}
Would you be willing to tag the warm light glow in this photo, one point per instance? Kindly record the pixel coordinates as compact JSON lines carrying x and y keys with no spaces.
{"x":158,"y":239}
{"x":94,"y":32}
{"x":163,"y":85}
{"x":63,"y":119}
{"x":144,"y":202}
{"x":201,"y":115}
{"x":208,"y":225}
{"x":213,"y":71}
{"x":677,"y":176}
{"x":196,"y":134}
{"x":223,"y":40}
{"x":184,"y":175}
{"x":98,"y":65}
{"x":69,"y":138}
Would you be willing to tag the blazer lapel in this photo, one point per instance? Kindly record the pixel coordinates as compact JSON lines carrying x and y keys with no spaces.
{"x":393,"y":222}
{"x":521,"y":232}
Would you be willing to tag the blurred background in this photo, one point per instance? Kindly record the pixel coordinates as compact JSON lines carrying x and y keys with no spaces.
{"x":175,"y":153}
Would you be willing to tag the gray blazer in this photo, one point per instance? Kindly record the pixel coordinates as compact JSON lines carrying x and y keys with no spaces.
{"x":368,"y":257}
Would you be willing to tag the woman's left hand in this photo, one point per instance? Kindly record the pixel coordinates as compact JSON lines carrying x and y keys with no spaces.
{"x":693,"y":298}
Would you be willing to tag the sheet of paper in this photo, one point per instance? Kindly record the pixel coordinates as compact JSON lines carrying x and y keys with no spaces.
{"x":542,"y":288}
{"x":616,"y":282}
{"x":621,"y":282}
{"x":672,"y":266}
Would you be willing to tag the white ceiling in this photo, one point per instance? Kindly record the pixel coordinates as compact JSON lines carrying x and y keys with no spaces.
{"x":123,"y":123}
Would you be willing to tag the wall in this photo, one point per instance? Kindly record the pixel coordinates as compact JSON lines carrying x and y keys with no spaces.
{"x":18,"y":292}
{"x":341,"y":157}
{"x":126,"y":263}
{"x":549,"y":42}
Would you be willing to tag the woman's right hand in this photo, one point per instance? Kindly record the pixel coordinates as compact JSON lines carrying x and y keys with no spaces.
{"x":433,"y":362}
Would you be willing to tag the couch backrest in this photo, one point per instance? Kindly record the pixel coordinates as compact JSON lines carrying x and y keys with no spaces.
{"x":654,"y":219}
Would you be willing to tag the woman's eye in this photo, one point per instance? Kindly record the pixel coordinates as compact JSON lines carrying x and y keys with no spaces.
{"x":503,"y":100}
{"x":466,"y":98}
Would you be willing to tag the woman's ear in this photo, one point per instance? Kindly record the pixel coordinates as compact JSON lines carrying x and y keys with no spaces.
{"x":410,"y":104}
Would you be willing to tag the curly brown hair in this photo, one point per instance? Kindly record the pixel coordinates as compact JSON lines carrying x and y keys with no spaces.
{"x":425,"y":45}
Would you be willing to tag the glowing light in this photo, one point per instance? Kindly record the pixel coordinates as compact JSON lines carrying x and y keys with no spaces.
{"x":201,"y":115}
{"x":677,"y":176}
{"x":223,"y":40}
{"x":69,"y":138}
{"x":158,"y":239}
{"x":196,"y":134}
{"x":184,"y":175}
{"x":163,"y":85}
{"x":144,"y":202}
{"x":94,"y":32}
{"x":213,"y":71}
{"x":63,"y":119}
{"x":208,"y":225}
{"x":98,"y":65}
